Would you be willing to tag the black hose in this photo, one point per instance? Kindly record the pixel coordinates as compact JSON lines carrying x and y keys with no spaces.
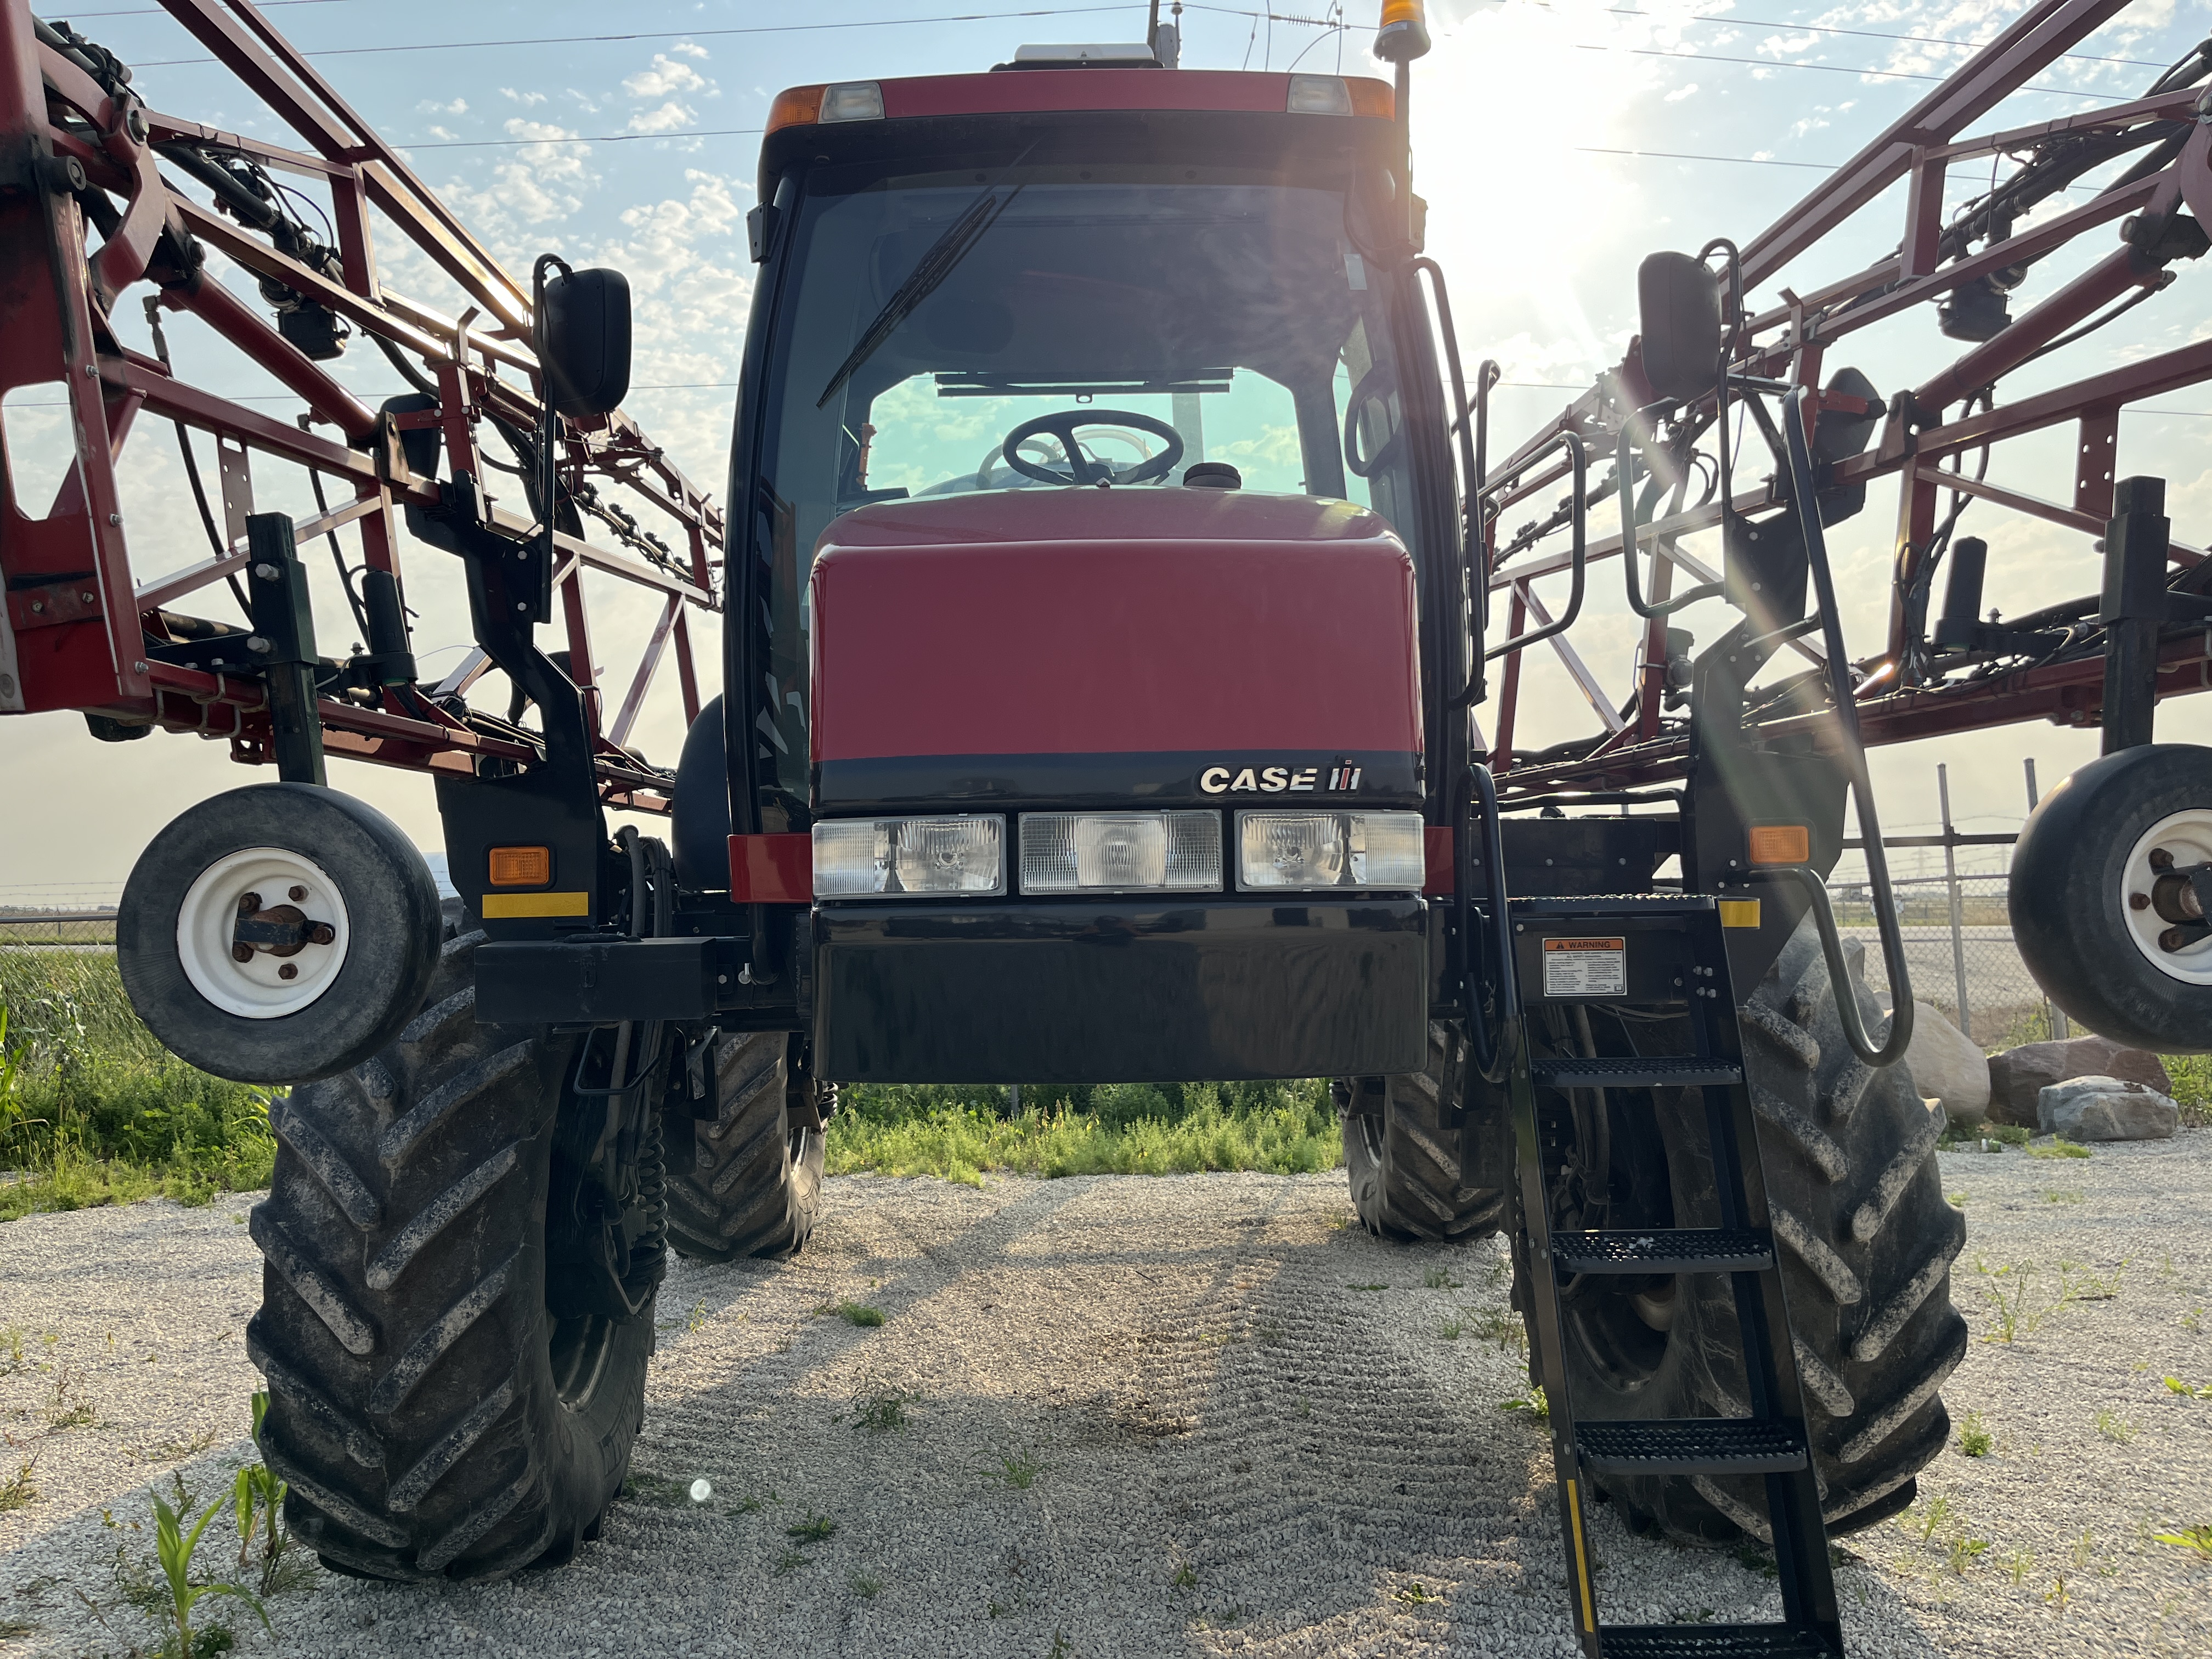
{"x":1494,"y":1056}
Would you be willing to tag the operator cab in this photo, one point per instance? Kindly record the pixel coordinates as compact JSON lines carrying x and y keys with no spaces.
{"x":1053,"y":277}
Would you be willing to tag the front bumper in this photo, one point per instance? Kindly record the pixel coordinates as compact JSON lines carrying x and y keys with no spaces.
{"x":1120,"y":990}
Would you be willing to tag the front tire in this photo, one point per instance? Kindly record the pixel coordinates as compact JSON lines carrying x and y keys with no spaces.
{"x":432,"y":1416}
{"x":1420,"y":1164}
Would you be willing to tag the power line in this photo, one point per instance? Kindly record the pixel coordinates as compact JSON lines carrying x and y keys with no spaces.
{"x":1866,"y":34}
{"x":657,"y":35}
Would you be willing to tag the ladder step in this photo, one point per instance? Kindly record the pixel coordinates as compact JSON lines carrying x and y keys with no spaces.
{"x":1664,"y":1250}
{"x":1540,"y":905}
{"x":1699,"y":1446}
{"x":1632,"y":1072}
{"x":1711,"y":1642}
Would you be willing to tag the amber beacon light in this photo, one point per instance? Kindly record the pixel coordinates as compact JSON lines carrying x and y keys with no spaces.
{"x":1404,"y":34}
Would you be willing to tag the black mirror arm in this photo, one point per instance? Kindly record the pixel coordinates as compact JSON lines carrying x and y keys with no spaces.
{"x":549,"y":434}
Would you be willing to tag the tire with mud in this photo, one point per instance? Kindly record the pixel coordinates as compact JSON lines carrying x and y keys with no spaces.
{"x":752,"y":1182}
{"x":1866,"y":1237}
{"x":1420,"y":1168}
{"x":432,"y":1415}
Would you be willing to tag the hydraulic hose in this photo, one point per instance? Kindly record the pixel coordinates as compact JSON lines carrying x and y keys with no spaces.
{"x":1493,"y":1054}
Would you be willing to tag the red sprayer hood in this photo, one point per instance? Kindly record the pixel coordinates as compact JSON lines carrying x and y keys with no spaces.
{"x":1133,"y":646}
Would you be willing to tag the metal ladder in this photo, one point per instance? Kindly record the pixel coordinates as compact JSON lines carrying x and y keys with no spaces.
{"x":1673,"y":938}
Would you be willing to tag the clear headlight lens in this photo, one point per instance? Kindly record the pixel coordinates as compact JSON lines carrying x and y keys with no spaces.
{"x":1307,"y":851}
{"x":860,"y":858}
{"x":1121,"y":852}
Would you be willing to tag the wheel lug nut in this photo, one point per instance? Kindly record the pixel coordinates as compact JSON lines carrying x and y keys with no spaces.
{"x":248,"y":904}
{"x":241,"y":953}
{"x":2172,"y":940}
{"x":2161,"y":859}
{"x":321,"y":933}
{"x":2139,"y":901}
{"x":288,"y":971}
{"x":298,"y":893}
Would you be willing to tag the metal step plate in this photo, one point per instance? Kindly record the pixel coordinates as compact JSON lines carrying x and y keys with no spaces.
{"x":1632,"y":1072}
{"x":1664,"y":1250}
{"x":1711,"y":1642}
{"x":1703,"y":1445}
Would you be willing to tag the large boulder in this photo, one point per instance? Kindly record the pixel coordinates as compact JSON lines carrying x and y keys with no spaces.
{"x":2106,"y":1109}
{"x":2019,"y":1076}
{"x":1949,"y":1065}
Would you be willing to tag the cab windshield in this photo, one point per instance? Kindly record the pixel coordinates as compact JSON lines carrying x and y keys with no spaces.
{"x":954,"y":333}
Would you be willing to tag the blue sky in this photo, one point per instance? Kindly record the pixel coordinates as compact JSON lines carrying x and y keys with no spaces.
{"x":1544,"y":139}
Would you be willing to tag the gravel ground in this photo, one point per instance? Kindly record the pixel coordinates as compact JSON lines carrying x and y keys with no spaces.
{"x":1108,"y":1417}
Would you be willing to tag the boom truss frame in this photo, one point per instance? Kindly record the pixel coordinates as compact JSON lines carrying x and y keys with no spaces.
{"x":1926,"y":434}
{"x":80,"y":151}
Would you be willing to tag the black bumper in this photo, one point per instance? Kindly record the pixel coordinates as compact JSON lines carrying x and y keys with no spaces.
{"x":1120,"y":991}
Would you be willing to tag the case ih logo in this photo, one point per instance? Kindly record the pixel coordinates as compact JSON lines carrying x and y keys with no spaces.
{"x":1342,"y":778}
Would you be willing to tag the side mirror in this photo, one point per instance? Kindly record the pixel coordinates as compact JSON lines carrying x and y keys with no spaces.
{"x":1679,"y":302}
{"x":582,"y":339}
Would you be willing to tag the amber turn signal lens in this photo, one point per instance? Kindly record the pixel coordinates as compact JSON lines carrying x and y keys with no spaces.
{"x":1781,"y":843}
{"x":795,"y":107}
{"x":521,"y":866}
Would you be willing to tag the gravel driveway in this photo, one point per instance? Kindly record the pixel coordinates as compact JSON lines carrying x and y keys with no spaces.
{"x":1108,"y":1417}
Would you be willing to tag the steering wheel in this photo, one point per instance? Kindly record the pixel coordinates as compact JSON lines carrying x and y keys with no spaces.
{"x":1061,"y":424}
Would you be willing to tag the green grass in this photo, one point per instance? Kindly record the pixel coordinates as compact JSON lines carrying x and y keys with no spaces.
{"x":958,"y":1133}
{"x":2192,"y":1087}
{"x":93,"y":1110}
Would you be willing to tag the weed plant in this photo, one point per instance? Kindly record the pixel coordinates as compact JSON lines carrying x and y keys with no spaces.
{"x":93,"y":1111}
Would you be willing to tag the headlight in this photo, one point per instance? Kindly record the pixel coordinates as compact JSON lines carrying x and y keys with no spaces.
{"x":1121,"y":852}
{"x":860,"y":858}
{"x":1309,"y":851}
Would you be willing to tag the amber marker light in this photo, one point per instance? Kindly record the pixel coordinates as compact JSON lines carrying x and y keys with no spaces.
{"x":1781,"y":843}
{"x":795,"y":107}
{"x":521,"y":866}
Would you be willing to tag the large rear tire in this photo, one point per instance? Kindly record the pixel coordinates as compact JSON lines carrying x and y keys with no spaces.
{"x":751,"y":1183}
{"x":433,"y":1416}
{"x":1867,"y":1241}
{"x":1420,"y":1166}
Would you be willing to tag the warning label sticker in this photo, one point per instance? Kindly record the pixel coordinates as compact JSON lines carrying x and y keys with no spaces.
{"x":1585,"y":967}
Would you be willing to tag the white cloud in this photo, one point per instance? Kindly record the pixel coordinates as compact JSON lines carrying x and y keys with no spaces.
{"x":664,"y":76}
{"x":670,"y":117}
{"x":527,"y":99}
{"x":688,"y":49}
{"x":1681,"y":92}
{"x":431,"y":106}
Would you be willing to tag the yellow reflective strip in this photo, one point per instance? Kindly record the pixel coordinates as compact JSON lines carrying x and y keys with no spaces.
{"x":1739,"y":913}
{"x":506,"y":906}
{"x":1582,"y":1558}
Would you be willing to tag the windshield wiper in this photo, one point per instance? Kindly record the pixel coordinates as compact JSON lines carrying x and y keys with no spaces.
{"x":943,"y":257}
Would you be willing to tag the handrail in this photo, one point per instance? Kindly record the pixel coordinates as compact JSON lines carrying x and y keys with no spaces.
{"x":1578,"y":470}
{"x":1807,"y":509}
{"x":1494,"y":1056}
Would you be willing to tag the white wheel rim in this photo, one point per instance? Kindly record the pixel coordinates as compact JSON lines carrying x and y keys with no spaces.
{"x":2187,"y":836}
{"x":257,"y":989}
